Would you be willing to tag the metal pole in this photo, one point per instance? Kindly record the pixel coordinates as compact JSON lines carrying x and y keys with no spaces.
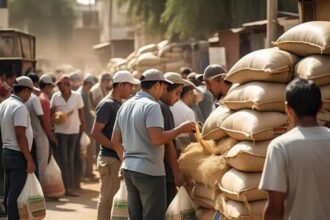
{"x":272,"y":7}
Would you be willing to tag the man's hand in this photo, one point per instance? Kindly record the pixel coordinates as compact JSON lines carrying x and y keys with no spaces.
{"x":178,"y":178}
{"x":31,"y":167}
{"x":187,"y":127}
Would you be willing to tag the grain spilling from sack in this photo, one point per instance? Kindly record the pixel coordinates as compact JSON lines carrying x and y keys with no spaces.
{"x":255,"y":126}
{"x":272,"y":65}
{"x":248,"y":156}
{"x":224,"y":145}
{"x":306,"y":39}
{"x":261,"y":96}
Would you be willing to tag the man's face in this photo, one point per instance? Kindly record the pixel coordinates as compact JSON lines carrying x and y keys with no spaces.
{"x":160,"y":89}
{"x":26,"y":94}
{"x":171,"y":97}
{"x":127,"y":90}
{"x":64,"y":87}
{"x":107,"y":84}
{"x":10,"y":81}
{"x":215,"y":87}
{"x":49,"y":89}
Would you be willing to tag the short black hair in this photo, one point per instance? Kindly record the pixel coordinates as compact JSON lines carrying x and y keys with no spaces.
{"x":34,"y":77}
{"x":17,"y":89}
{"x":304,"y":97}
{"x":185,"y":90}
{"x":148,"y":84}
{"x":171,"y":87}
{"x":185,"y":70}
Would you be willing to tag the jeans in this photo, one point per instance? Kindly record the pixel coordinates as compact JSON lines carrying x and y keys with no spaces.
{"x":77,"y":163}
{"x":108,"y":168}
{"x":146,"y":196}
{"x":14,"y":165}
{"x":66,"y":147}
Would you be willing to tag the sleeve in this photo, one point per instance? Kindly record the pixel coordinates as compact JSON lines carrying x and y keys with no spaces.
{"x":116,"y":127}
{"x":80,"y":102}
{"x":102,"y":113}
{"x":274,"y":176}
{"x":154,"y":117}
{"x":21,"y":117}
{"x":37,"y":106}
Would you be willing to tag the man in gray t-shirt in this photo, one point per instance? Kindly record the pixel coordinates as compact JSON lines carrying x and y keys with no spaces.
{"x":139,"y":130}
{"x":296,"y":172}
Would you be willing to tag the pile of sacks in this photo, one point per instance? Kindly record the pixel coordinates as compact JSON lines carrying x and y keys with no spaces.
{"x":236,"y":135}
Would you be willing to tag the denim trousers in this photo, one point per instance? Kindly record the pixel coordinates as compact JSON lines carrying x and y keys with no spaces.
{"x":66,"y":155}
{"x":14,"y":165}
{"x":146,"y":196}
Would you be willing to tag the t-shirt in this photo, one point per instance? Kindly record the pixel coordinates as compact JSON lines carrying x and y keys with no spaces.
{"x":89,"y":118}
{"x":182,"y":113}
{"x":298,"y":164}
{"x":74,"y":103}
{"x":97,"y":93}
{"x":45,"y":104}
{"x":133,"y":118}
{"x":34,"y":107}
{"x":13,"y":113}
{"x":106,"y":112}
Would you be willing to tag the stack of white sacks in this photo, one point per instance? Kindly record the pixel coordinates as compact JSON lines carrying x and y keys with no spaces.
{"x":225,"y":168}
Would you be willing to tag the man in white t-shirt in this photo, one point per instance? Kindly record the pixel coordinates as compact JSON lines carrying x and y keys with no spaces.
{"x":67,"y":108}
{"x":296,"y":172}
{"x":16,"y":133}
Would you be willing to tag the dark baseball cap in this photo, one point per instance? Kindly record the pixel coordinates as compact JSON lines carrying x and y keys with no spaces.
{"x":213,"y":71}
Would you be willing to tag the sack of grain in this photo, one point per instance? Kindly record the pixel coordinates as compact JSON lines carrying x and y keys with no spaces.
{"x":306,"y":39}
{"x":238,"y":210}
{"x":256,"y":126}
{"x":148,"y":59}
{"x":257,"y":96}
{"x":271,"y":65}
{"x":325,"y":91}
{"x":208,"y":214}
{"x":316,"y":68}
{"x":163,"y":50}
{"x":148,"y":48}
{"x":204,"y":192}
{"x":142,"y":68}
{"x":203,"y":203}
{"x":242,"y":186}
{"x":211,"y":129}
{"x":175,"y":66}
{"x":207,"y":169}
{"x":248,"y":156}
{"x":323,"y":118}
{"x":224,"y":145}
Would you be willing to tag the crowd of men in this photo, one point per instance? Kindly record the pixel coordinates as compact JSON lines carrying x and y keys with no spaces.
{"x":138,"y":129}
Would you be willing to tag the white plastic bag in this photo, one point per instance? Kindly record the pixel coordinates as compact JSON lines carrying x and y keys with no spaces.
{"x":31,"y":202}
{"x":181,"y":207}
{"x":52,"y":182}
{"x":119,"y":210}
{"x":84,"y":142}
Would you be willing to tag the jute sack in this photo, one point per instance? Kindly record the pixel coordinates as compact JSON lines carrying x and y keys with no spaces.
{"x":203,"y":203}
{"x":325,"y":91}
{"x":316,"y":68}
{"x":148,"y":59}
{"x":256,"y":126}
{"x":248,"y":156}
{"x":261,"y":96}
{"x":147,"y":48}
{"x":237,"y":210}
{"x":224,"y":145}
{"x":174,"y":66}
{"x":306,"y":39}
{"x":211,"y":129}
{"x":203,"y":168}
{"x":142,"y":68}
{"x":271,"y":65}
{"x":208,"y":214}
{"x":204,"y":192}
{"x":323,"y":118}
{"x":241,"y":186}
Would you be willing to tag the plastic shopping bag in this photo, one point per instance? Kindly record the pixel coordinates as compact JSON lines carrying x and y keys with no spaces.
{"x":31,"y":202}
{"x":52,"y":183}
{"x":119,"y":210}
{"x":84,"y":142}
{"x":181,"y":207}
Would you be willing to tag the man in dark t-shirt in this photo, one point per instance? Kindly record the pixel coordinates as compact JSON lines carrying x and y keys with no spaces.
{"x":108,"y":161}
{"x":169,"y":98}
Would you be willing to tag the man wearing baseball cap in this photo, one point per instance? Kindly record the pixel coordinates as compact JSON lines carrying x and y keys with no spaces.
{"x":17,"y":140}
{"x":108,"y":162}
{"x":139,"y":133}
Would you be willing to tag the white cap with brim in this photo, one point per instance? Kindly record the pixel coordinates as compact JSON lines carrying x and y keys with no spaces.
{"x":26,"y":82}
{"x":153,"y":75}
{"x":124,"y":76}
{"x":176,"y":78}
{"x":46,"y":79}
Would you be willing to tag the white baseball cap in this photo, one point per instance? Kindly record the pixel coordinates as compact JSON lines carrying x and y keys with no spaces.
{"x":124,"y":76}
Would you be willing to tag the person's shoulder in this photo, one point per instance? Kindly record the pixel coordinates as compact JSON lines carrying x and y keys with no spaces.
{"x":56,"y":94}
{"x":285,"y":139}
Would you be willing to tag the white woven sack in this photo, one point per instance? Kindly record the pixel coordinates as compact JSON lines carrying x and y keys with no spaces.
{"x":148,"y":48}
{"x":316,"y":68}
{"x":255,"y":126}
{"x":306,"y":39}
{"x":261,"y":96}
{"x":148,"y":59}
{"x":272,"y":65}
{"x":31,"y":202}
{"x":119,"y":208}
{"x":181,"y":207}
{"x":85,"y":141}
{"x":174,"y":66}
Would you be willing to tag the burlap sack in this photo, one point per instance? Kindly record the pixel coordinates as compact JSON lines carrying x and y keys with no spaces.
{"x":206,"y":169}
{"x":325,"y":91}
{"x":237,"y":210}
{"x":204,"y":192}
{"x":174,"y":66}
{"x":256,"y":126}
{"x":323,"y":118}
{"x":211,"y":129}
{"x":208,"y":214}
{"x":248,"y":156}
{"x":224,"y":145}
{"x":261,"y":96}
{"x":242,"y":186}
{"x":142,"y":68}
{"x":271,"y":65}
{"x":316,"y":68}
{"x":148,"y":59}
{"x":203,"y":203}
{"x":148,"y":48}
{"x":306,"y":39}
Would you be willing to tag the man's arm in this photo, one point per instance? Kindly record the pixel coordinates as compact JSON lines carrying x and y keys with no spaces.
{"x":100,"y":137}
{"x":170,"y":157}
{"x":117,"y":142}
{"x":23,"y":144}
{"x":82,"y":119}
{"x":275,"y":206}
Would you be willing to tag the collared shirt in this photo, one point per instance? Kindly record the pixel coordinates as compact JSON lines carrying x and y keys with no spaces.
{"x":34,"y":107}
{"x":13,"y":113}
{"x":133,"y":119}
